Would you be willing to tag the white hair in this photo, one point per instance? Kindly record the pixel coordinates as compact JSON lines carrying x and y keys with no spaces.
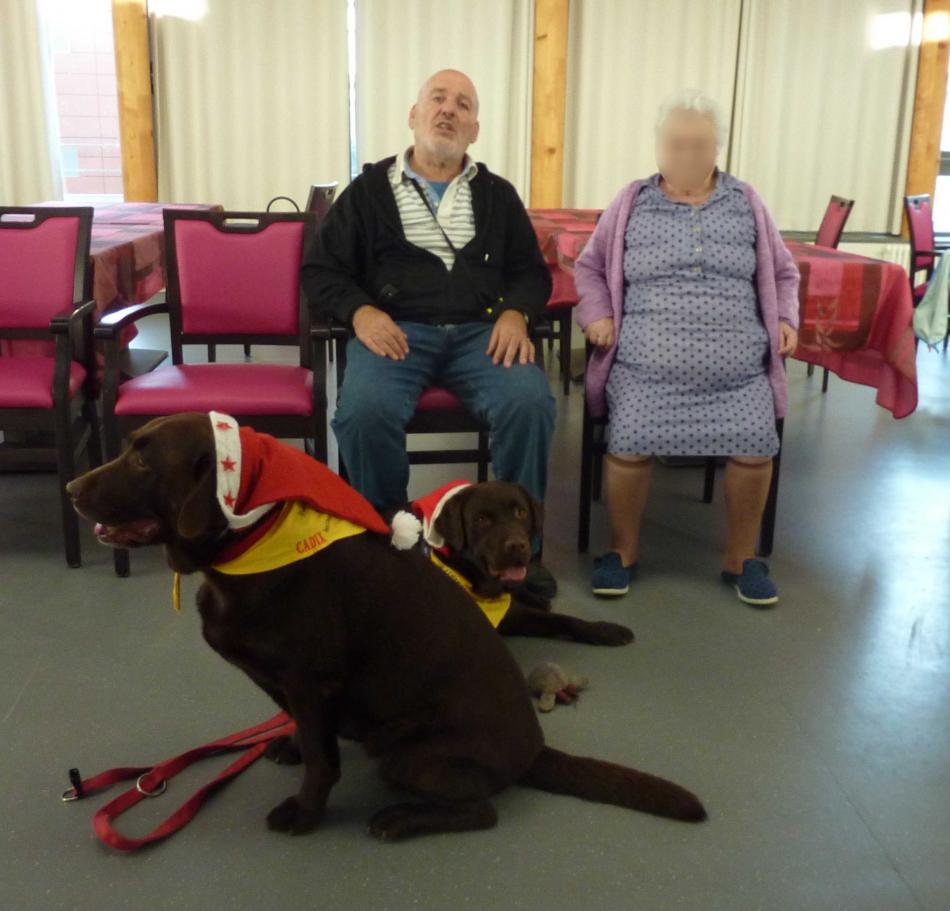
{"x":695,"y":101}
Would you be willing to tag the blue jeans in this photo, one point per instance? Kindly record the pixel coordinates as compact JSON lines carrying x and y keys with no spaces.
{"x":378,"y":399}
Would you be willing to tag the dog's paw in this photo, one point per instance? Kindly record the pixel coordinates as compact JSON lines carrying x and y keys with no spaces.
{"x":394,"y":823}
{"x":284,"y":751}
{"x":604,"y":633}
{"x":293,"y":818}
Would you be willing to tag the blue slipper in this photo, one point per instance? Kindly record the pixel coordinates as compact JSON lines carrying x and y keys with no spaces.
{"x":753,"y":585}
{"x":610,"y":577}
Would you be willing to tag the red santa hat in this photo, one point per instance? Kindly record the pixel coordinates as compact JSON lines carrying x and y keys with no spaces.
{"x":429,"y":508}
{"x":255,"y":471}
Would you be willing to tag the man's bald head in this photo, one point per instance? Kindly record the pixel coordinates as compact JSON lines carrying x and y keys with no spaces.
{"x":447,"y":80}
{"x":444,"y":119}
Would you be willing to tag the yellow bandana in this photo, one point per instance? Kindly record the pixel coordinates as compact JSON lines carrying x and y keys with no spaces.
{"x":299,"y":532}
{"x":493,"y":608}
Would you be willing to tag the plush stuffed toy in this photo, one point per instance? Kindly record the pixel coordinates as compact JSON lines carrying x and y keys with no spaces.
{"x":551,"y":685}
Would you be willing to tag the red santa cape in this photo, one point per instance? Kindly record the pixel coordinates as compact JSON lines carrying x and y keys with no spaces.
{"x":255,"y":471}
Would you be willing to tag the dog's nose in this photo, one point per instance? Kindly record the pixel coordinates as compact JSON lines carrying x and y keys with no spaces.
{"x":517,"y":549}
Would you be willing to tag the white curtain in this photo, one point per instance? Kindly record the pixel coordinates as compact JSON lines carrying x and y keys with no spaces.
{"x":29,"y":163}
{"x":624,"y":58}
{"x":400,"y":44}
{"x":251,"y":99}
{"x":825,"y":97}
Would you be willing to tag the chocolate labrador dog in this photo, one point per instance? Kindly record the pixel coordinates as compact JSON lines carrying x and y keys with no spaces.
{"x":487,"y":530}
{"x":358,"y":637}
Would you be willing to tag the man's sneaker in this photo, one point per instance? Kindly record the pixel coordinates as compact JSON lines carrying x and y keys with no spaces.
{"x":753,"y":585}
{"x":610,"y":577}
{"x":540,"y":582}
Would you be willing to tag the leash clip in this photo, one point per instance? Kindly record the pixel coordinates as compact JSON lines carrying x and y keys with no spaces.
{"x":162,"y":786}
{"x":75,"y":789}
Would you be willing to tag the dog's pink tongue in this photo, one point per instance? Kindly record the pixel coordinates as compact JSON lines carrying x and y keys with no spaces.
{"x":142,"y":531}
{"x":514,"y":574}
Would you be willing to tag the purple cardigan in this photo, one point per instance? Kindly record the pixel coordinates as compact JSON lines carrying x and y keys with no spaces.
{"x":598,"y":274}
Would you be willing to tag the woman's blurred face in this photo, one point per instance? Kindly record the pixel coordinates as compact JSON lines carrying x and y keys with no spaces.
{"x":686,"y":149}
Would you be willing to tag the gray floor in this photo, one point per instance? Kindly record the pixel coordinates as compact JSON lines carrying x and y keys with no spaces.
{"x":818,"y":734}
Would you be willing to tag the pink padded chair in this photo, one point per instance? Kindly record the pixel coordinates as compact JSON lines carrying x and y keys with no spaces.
{"x":560,"y":311}
{"x":438,"y":410}
{"x":44,"y":261}
{"x":232,"y":278}
{"x":923,"y":255}
{"x":829,"y":235}
{"x":833,"y":222}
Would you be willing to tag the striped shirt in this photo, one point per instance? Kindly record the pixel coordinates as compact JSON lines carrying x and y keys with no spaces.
{"x":454,"y":211}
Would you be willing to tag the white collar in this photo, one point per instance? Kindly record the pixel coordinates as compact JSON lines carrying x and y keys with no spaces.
{"x":402,"y":171}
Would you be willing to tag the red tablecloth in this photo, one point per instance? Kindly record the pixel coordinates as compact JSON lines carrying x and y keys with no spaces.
{"x":127,"y":256}
{"x":567,"y":228}
{"x":855,"y":312}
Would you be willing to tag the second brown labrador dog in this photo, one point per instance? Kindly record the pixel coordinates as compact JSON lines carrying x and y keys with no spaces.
{"x":357,"y":636}
{"x":488,"y":529}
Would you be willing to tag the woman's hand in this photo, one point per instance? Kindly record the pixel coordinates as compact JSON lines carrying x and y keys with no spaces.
{"x":600,"y":332}
{"x":788,"y":339}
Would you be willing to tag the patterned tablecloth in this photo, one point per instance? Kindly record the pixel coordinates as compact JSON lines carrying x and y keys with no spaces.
{"x":855,"y":312}
{"x":127,"y":256}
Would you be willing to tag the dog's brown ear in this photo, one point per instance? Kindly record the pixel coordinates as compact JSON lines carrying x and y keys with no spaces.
{"x":199,"y":508}
{"x":450,"y":522}
{"x":537,"y":514}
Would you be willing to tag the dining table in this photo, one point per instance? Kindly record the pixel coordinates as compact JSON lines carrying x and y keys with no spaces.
{"x":855,"y":312}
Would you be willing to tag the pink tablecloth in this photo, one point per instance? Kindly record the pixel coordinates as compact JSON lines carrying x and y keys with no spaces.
{"x":856,"y":320}
{"x":855,"y":312}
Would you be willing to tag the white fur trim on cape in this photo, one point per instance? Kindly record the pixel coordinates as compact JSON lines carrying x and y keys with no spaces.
{"x":227,"y":446}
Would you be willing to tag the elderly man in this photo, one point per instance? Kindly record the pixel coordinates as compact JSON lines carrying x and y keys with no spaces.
{"x":432,"y":261}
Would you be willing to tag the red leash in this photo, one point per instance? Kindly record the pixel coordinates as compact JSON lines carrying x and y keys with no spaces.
{"x":151,"y":781}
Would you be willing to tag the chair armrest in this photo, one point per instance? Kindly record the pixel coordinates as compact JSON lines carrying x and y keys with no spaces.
{"x":111,"y":323}
{"x":541,"y":329}
{"x":327,"y":329}
{"x":60,"y":323}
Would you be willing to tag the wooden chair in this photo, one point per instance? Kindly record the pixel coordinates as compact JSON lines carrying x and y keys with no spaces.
{"x":923,"y":252}
{"x":438,"y":410}
{"x":44,"y":264}
{"x":233,"y":278}
{"x":320,"y":198}
{"x":593,"y":449}
{"x":829,"y":235}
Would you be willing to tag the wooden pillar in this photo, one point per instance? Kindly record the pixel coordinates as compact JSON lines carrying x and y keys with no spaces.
{"x":924,"y":162}
{"x":548,"y":102}
{"x":133,"y":73}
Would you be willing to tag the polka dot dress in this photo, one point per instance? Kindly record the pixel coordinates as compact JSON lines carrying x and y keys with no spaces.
{"x":691,"y":372}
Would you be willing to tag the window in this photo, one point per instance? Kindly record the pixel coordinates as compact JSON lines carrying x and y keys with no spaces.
{"x":83,"y":66}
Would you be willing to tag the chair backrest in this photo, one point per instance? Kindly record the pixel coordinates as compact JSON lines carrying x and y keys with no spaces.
{"x":44,"y":263}
{"x":833,"y":222}
{"x":920,"y":224}
{"x":235,"y":276}
{"x":320,"y":199}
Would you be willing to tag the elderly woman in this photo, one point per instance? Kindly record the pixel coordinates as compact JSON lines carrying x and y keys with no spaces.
{"x":691,"y":299}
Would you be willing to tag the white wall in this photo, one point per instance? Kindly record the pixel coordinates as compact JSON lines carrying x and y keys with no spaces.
{"x":400,"y":44}
{"x":819,"y":106}
{"x":251,"y":100}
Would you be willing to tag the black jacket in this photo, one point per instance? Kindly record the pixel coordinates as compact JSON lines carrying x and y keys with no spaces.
{"x":361,"y":256}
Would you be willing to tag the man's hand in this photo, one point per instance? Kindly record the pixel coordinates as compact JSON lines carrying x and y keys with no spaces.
{"x":788,"y":339}
{"x":600,"y":332}
{"x":377,"y":331}
{"x":509,"y":340}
